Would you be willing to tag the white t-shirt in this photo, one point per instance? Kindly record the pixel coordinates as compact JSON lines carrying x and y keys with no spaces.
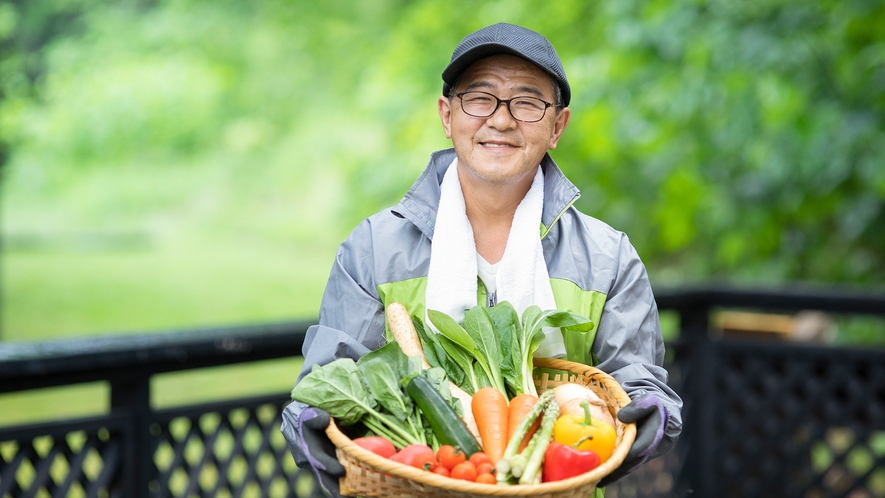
{"x":488,"y":274}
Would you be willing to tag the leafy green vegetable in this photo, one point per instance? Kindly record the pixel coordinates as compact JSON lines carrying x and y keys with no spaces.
{"x":382,"y":370}
{"x":437,"y":354}
{"x":372,"y":391}
{"x":494,"y":347}
{"x":480,"y":328}
{"x":459,"y":347}
{"x":339,"y":388}
{"x":507,"y":328}
{"x":533,"y":322}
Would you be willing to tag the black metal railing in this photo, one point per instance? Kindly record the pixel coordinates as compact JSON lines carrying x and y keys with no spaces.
{"x":762,"y":418}
{"x":228,"y":448}
{"x":770,"y":417}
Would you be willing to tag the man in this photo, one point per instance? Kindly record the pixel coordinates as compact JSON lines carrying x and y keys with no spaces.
{"x":467,"y":233}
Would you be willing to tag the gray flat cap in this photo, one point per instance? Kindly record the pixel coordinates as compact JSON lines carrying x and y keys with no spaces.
{"x":503,"y":38}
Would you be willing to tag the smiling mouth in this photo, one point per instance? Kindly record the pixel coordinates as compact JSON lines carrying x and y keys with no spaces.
{"x":500,"y":145}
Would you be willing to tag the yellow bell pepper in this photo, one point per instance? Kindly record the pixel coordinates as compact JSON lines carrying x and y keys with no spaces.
{"x":585,"y":433}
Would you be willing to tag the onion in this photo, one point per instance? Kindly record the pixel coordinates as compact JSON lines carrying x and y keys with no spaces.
{"x":569,"y":397}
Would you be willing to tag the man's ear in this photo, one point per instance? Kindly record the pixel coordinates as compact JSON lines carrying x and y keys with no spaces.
{"x":562,"y":118}
{"x":444,"y":107}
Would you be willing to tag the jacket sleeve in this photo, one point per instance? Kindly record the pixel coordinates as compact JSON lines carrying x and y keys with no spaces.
{"x":351,"y":321}
{"x":629,"y":344}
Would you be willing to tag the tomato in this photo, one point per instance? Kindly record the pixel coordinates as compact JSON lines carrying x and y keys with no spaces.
{"x":419,"y":456}
{"x":377,"y":445}
{"x":479,"y":457}
{"x":449,"y":456}
{"x":485,"y":468}
{"x":486,"y":478}
{"x":442,"y":471}
{"x":465,"y":471}
{"x":426,"y":461}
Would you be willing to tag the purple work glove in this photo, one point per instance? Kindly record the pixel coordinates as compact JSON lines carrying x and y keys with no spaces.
{"x":312,"y":447}
{"x":651,"y":418}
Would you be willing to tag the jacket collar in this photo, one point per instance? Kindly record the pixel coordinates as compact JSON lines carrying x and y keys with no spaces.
{"x":420,"y":203}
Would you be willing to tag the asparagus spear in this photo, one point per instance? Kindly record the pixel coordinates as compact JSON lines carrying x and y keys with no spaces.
{"x":511,"y":461}
{"x":539,"y":443}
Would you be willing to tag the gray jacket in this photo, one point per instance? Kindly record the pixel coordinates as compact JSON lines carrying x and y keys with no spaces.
{"x":594,"y":271}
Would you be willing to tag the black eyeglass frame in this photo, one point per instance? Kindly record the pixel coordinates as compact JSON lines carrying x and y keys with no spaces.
{"x":547,"y":105}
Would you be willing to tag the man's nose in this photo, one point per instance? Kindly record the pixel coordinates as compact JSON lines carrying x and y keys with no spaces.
{"x":502,"y":118}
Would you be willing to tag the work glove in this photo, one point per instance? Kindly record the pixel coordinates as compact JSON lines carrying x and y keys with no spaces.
{"x":311,"y":442}
{"x":651,"y":418}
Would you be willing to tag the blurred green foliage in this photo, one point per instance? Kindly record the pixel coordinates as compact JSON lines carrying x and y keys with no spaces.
{"x":188,"y":162}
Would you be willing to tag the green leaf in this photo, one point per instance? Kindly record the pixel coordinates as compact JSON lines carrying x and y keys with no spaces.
{"x":464,"y":360}
{"x":449,"y":328}
{"x":507,"y":329}
{"x":337,"y":388}
{"x":382,"y":370}
{"x":436,"y":354}
{"x":479,"y":326}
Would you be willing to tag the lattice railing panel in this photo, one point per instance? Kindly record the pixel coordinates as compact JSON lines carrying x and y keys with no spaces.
{"x":660,"y":477}
{"x":799,"y":422}
{"x":81,"y":462}
{"x":225,"y":451}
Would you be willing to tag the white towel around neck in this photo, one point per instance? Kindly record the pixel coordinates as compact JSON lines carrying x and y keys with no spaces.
{"x":522,"y":277}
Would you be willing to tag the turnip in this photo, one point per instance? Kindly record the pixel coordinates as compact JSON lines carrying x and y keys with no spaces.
{"x":569,"y":397}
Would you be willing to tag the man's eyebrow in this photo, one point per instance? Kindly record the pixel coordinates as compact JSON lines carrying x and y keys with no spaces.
{"x":521,"y":90}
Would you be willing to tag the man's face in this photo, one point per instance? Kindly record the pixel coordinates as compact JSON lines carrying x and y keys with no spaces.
{"x":499,"y":149}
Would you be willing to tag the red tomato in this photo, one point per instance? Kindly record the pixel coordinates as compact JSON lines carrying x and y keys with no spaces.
{"x":479,"y":457}
{"x":486,"y":478}
{"x":426,"y":461}
{"x":449,"y":456}
{"x":465,"y":471}
{"x":440,"y":470}
{"x":417,"y":455}
{"x":377,"y":445}
{"x":485,"y":468}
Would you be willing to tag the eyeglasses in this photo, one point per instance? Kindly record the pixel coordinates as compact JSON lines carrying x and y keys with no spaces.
{"x":483,"y":105}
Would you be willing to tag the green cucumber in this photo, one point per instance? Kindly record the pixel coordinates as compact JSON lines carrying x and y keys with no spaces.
{"x":445,"y":423}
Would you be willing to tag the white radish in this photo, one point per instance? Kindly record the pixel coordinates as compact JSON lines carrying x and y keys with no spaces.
{"x":569,"y":397}
{"x":466,"y":406}
{"x":403,"y":331}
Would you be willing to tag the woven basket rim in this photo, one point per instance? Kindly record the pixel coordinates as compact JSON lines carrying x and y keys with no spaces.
{"x":627,"y":434}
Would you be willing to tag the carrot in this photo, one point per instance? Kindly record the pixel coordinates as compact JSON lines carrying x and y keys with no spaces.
{"x":520,"y":406}
{"x":403,"y":331}
{"x":490,"y":411}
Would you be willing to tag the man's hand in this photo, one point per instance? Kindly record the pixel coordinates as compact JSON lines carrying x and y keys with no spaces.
{"x":319,"y":450}
{"x":651,"y":418}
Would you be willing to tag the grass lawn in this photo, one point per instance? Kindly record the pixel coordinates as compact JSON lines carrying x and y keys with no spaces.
{"x":49,"y":294}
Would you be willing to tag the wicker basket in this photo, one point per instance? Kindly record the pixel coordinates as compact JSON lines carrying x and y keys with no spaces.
{"x":371,"y":475}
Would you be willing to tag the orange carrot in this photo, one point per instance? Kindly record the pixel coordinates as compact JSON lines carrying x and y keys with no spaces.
{"x":489,"y":408}
{"x":520,"y":406}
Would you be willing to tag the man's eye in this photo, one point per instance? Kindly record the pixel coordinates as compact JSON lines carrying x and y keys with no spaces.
{"x":479,"y":100}
{"x":528,"y":103}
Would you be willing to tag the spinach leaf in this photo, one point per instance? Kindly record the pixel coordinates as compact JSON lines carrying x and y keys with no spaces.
{"x":480,"y":328}
{"x":507,"y":329}
{"x":382,"y":370}
{"x":436,"y":353}
{"x":533,"y":322}
{"x":337,"y":388}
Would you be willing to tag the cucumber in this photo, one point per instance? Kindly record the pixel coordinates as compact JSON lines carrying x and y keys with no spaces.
{"x":445,"y":423}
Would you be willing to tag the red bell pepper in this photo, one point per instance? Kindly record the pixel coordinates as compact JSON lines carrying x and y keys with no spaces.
{"x":562,"y":461}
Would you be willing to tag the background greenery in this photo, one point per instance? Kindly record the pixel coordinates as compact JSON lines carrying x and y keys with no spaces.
{"x":181,"y":163}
